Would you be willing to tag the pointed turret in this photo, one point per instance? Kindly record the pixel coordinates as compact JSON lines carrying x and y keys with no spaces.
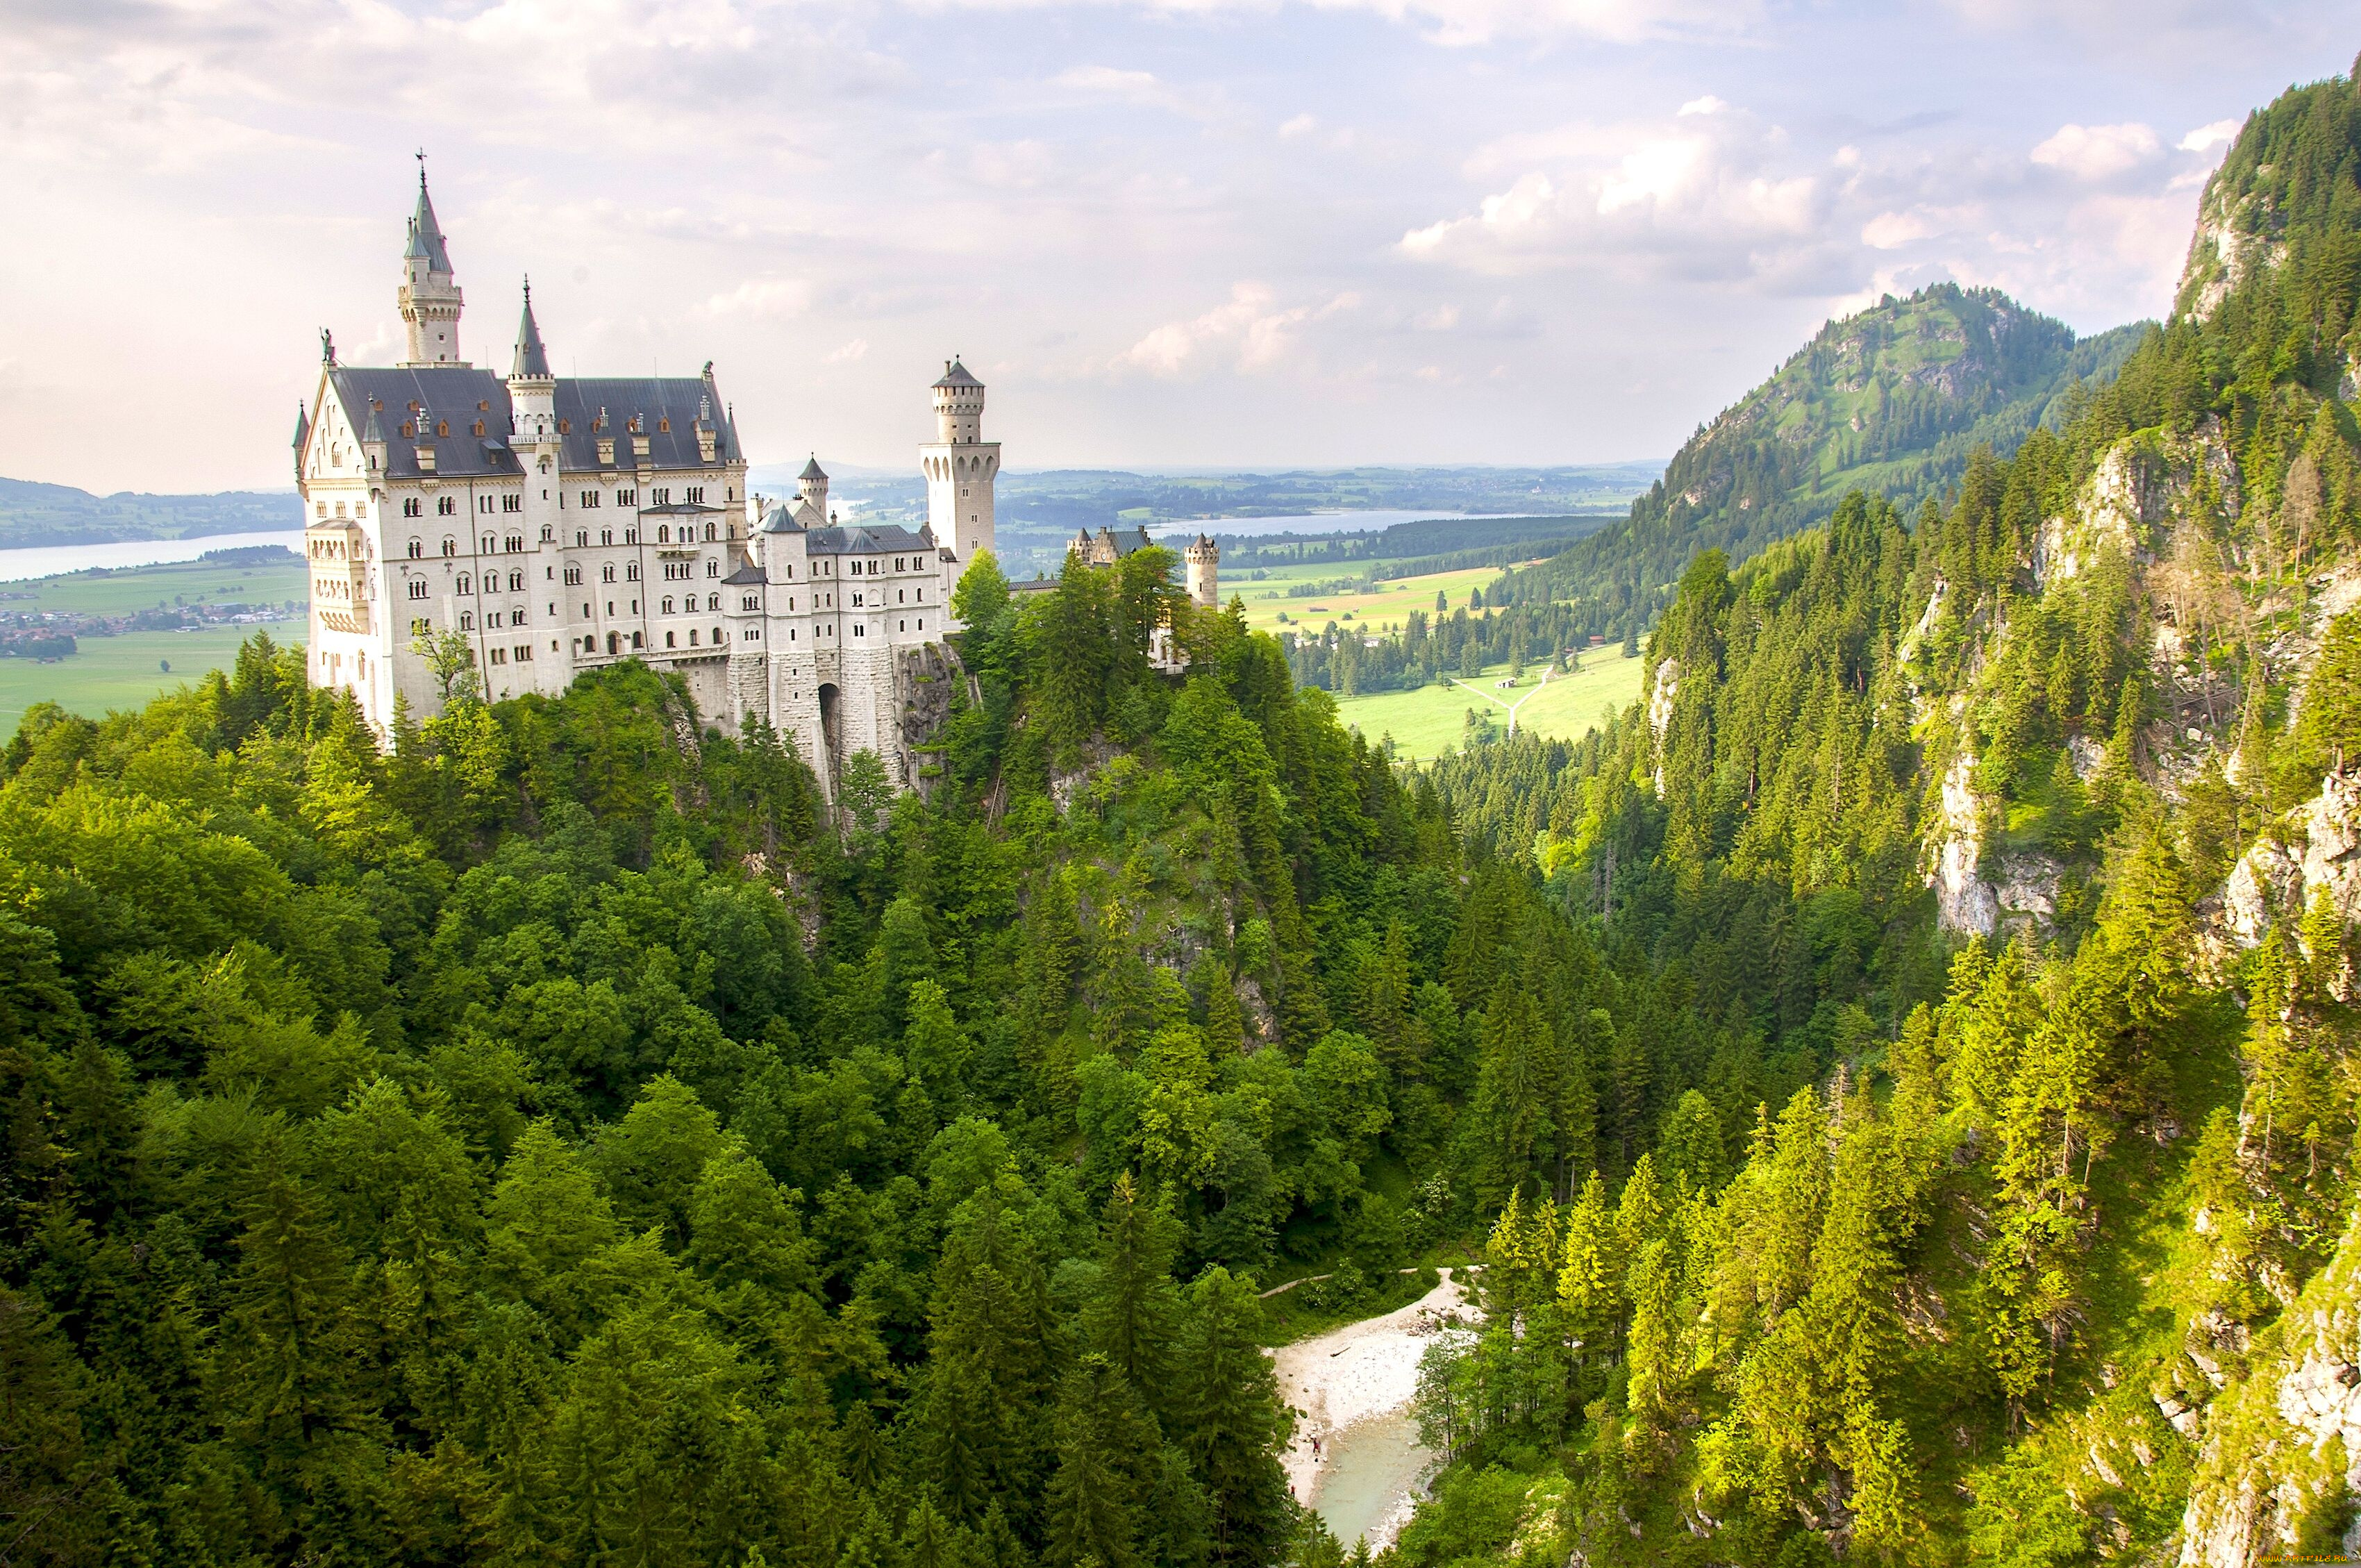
{"x":532,"y":359}
{"x":302,"y":436}
{"x":425,"y":234}
{"x":430,"y":299}
{"x":811,"y":491}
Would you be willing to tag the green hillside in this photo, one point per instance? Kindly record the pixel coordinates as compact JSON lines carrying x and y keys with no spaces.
{"x":1892,"y":400}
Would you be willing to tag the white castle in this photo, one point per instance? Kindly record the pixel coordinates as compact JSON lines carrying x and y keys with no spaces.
{"x":560,"y":523}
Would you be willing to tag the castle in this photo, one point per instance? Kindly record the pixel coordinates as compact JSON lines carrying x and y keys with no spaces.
{"x":556,"y":524}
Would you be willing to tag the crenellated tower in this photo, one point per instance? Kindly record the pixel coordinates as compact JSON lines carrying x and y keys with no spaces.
{"x":1205,"y":564}
{"x":960,"y":466}
{"x":429,"y":298}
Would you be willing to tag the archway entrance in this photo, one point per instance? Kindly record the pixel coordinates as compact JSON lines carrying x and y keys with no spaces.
{"x":831,"y":738}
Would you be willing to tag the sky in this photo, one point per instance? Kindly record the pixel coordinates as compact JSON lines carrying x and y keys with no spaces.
{"x":1200,"y":233}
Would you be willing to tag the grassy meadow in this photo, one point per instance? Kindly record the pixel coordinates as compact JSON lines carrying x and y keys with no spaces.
{"x":106,"y":672}
{"x":1433,"y":720}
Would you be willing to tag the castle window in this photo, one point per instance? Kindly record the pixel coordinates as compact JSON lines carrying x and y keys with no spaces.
{"x":524,"y":652}
{"x":479,"y":427}
{"x":512,"y":503}
{"x":664,"y":533}
{"x":637,"y":640}
{"x":712,"y":568}
{"x":709,"y":533}
{"x":859,"y":629}
{"x":463,"y":581}
{"x":466,"y":620}
{"x":791,"y":571}
{"x":516,"y":582}
{"x":499,"y":655}
{"x":632,"y":571}
{"x":582,"y":538}
{"x":417,"y":548}
{"x":662,"y":497}
{"x":631,"y":536}
{"x":420,"y":626}
{"x":442,"y":427}
{"x":663,"y":424}
{"x":411,"y":506}
{"x":668,"y":640}
{"x":490,"y":546}
{"x":753,"y":634}
{"x":695,"y":494}
{"x":418,"y":588}
{"x":446,"y":506}
{"x":589,"y":499}
{"x":450,"y":545}
{"x":748,"y":601}
{"x":922,"y":623}
{"x":897,"y":563}
{"x":516,"y":543}
{"x":573,"y":576}
{"x":667,"y":606}
{"x":607,"y":573}
{"x":606,"y":536}
{"x":692,"y":636}
{"x":627,"y":498}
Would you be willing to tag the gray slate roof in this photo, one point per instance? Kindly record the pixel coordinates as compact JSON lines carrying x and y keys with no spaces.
{"x":812,"y":469}
{"x":532,"y":359}
{"x":878,"y":539}
{"x":425,"y":234}
{"x":450,"y":395}
{"x":956,"y":375}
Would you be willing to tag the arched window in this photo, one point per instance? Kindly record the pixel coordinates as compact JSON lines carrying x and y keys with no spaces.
{"x":632,"y":571}
{"x":516,"y":582}
{"x":667,"y":607}
{"x":607,"y":573}
{"x":450,"y":545}
{"x":418,"y":588}
{"x":709,"y":533}
{"x":466,"y":620}
{"x":463,"y":581}
{"x":417,"y":548}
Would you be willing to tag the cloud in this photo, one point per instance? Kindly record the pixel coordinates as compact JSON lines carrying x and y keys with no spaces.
{"x":762,"y":299}
{"x":2098,"y":152}
{"x":846,"y":354}
{"x":1301,"y":125}
{"x":1251,"y":330}
{"x":1892,"y":231}
{"x":2205,"y":138}
{"x":1704,"y":191}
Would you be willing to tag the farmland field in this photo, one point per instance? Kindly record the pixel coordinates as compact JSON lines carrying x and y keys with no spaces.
{"x":1433,"y":720}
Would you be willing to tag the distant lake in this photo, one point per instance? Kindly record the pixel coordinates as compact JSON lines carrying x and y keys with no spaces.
{"x":1301,"y":522}
{"x":49,"y":560}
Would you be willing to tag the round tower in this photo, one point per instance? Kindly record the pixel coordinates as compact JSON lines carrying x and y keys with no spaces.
{"x":1204,"y":560}
{"x":811,"y":485}
{"x":959,"y":406}
{"x":960,"y":468}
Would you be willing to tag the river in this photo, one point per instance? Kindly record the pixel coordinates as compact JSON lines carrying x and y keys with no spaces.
{"x":49,"y":560}
{"x":1357,"y":1460}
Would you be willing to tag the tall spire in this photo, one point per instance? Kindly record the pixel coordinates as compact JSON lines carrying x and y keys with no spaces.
{"x":531,"y":358}
{"x":425,"y":234}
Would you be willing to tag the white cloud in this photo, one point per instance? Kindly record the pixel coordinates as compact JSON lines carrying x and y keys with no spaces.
{"x":1706,"y":191}
{"x":2205,"y":138}
{"x":1301,"y":125}
{"x":1709,"y":104}
{"x":1892,"y":231}
{"x":846,"y":353}
{"x":762,"y":299}
{"x":1249,"y":330}
{"x":2097,"y":152}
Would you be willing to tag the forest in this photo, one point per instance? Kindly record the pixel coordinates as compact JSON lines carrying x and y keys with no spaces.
{"x":1890,"y":1132}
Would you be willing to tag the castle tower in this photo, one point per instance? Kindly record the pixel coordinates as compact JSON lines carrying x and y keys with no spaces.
{"x":1204,"y":562}
{"x":532,"y":391}
{"x":429,"y":298}
{"x":960,"y":466}
{"x":811,"y":488}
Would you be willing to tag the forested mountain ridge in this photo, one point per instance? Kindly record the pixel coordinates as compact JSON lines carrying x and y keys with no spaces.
{"x":1892,"y":400}
{"x":2054,"y":1258}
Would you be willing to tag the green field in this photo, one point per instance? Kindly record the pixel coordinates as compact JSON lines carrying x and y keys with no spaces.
{"x":107,"y":672}
{"x":1381,"y":609}
{"x":1431,"y":721}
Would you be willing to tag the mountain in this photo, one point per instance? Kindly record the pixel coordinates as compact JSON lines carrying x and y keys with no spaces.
{"x":37,"y":514}
{"x":1978,"y":1162}
{"x":1891,"y":400}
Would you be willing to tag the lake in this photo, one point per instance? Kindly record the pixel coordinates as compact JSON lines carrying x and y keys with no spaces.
{"x":49,"y":560}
